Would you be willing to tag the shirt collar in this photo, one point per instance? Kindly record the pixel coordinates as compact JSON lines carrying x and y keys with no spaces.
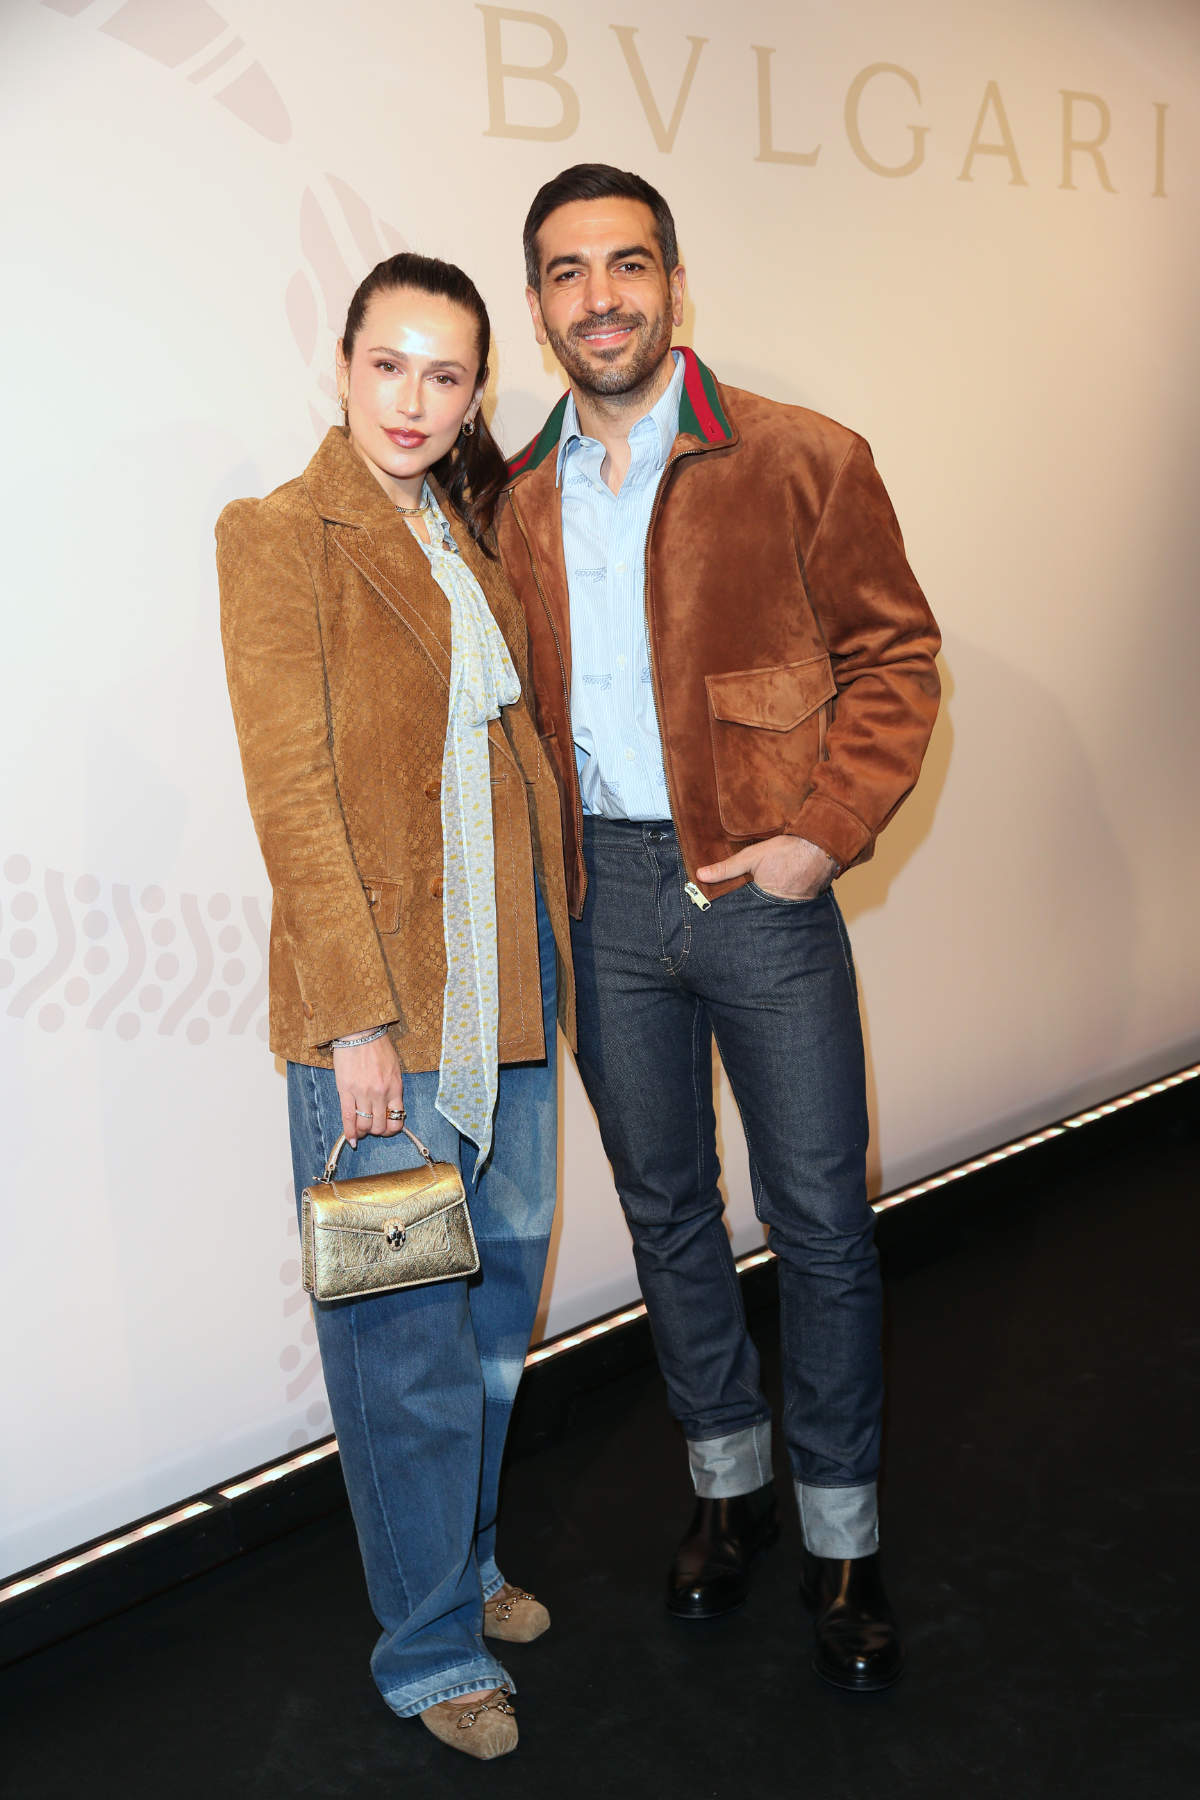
{"x":664,"y":415}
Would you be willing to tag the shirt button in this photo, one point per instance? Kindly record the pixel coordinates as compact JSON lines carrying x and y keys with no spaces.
{"x":629,"y":756}
{"x":620,"y":568}
{"x":621,"y":662}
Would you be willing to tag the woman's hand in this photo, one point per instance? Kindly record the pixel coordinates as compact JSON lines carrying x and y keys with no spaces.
{"x":370,"y":1085}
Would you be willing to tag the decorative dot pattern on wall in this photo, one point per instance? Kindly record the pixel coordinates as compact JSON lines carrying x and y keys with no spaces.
{"x":75,"y":951}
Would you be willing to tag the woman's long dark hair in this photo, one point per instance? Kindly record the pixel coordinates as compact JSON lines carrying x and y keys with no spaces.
{"x":473,"y":470}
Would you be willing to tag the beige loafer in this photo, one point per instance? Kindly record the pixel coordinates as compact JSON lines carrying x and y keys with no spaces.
{"x":514,"y":1615}
{"x":483,"y":1728}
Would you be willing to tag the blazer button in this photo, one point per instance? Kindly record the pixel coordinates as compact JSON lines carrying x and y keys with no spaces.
{"x":307,"y":1010}
{"x":432,"y":789}
{"x":436,"y":886}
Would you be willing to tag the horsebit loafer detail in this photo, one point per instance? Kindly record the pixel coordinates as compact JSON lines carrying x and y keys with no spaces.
{"x":711,"y":1571}
{"x":482,"y":1728}
{"x":514,"y":1615}
{"x":858,"y":1645}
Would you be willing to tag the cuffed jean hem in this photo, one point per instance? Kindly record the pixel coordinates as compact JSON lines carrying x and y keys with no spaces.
{"x":739,"y":1462}
{"x":407,"y":1702}
{"x":839,"y":1522}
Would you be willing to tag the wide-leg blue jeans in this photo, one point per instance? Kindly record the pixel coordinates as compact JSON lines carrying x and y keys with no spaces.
{"x":656,"y":979}
{"x":421,"y":1382}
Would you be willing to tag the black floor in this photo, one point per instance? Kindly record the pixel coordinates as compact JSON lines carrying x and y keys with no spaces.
{"x":1039,"y":1521}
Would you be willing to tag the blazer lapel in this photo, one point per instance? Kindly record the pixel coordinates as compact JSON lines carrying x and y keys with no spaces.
{"x":429,"y":622}
{"x":368,"y":532}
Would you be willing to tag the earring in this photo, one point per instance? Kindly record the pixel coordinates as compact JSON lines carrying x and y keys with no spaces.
{"x":344,"y":402}
{"x":468,"y":428}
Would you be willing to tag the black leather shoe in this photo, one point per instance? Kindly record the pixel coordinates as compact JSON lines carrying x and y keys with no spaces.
{"x":711,"y":1571}
{"x":858,"y":1646}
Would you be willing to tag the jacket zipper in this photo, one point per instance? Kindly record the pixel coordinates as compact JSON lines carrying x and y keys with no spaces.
{"x":689,"y":887}
{"x":562,"y":669}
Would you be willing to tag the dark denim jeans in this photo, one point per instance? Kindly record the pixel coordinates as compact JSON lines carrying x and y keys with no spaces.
{"x":657,"y":978}
{"x":421,"y":1382}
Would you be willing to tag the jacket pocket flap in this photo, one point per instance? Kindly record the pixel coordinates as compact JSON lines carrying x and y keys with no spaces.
{"x":383,"y":897}
{"x":774,"y":699}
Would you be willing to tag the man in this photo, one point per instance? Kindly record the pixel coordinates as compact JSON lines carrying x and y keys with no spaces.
{"x":734,"y":676}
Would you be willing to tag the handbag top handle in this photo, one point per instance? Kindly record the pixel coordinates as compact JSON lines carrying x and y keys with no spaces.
{"x":330,"y":1168}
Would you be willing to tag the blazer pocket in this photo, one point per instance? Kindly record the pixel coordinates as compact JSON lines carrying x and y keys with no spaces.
{"x":768,"y":731}
{"x":383,"y":897}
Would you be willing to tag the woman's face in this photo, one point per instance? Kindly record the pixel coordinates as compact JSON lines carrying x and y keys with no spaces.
{"x":411,"y":381}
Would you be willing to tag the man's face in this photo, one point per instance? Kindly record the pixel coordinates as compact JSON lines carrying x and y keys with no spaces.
{"x":606,"y":305}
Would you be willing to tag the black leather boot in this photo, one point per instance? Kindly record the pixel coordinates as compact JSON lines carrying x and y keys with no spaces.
{"x":858,"y":1646}
{"x":711,"y":1571}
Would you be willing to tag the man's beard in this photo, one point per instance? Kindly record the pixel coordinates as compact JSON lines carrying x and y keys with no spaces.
{"x":631,"y":365}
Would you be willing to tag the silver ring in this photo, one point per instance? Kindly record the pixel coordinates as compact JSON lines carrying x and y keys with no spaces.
{"x":361,"y":1115}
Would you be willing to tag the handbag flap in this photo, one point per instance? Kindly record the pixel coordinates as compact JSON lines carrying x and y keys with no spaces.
{"x":371,"y":1203}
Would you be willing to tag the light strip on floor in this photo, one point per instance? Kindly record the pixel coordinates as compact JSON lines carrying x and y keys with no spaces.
{"x":277,"y":1470}
{"x":968,"y":1168}
{"x":84,"y":1557}
{"x":1112,"y":1106}
{"x":752,"y":1261}
{"x":573,"y":1339}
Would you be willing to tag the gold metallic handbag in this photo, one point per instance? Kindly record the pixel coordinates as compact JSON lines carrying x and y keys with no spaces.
{"x":378,"y":1232}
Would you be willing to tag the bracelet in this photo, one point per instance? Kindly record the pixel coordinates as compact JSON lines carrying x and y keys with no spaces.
{"x":360,"y":1037}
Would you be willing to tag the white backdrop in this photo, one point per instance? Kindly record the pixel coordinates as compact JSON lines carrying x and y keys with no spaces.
{"x":889,"y":212}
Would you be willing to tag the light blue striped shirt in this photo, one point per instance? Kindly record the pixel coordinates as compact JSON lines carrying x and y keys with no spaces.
{"x":618,"y":750}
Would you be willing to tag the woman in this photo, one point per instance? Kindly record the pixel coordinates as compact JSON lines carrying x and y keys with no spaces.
{"x":374,"y":653}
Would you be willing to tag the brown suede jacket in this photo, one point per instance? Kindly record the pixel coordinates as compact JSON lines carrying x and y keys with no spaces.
{"x":337,"y":648}
{"x":791,"y":650}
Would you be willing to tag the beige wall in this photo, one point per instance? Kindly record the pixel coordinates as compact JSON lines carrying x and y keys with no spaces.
{"x":883,"y":216}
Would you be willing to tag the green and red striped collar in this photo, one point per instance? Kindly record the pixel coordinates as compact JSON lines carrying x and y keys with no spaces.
{"x":700,"y":415}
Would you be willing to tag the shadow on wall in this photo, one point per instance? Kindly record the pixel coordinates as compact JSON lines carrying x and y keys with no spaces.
{"x":913,"y":823}
{"x":867,"y":887}
{"x":538,"y":1333}
{"x":1030,"y":959}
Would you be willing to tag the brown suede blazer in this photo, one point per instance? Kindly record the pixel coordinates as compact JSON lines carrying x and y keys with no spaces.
{"x":341,"y":708}
{"x":791,"y":650}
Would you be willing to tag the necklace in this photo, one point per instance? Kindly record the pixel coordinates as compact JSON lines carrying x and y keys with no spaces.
{"x":439,"y":539}
{"x":413,"y":512}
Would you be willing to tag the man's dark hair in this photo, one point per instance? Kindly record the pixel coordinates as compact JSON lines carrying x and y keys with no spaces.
{"x":596,"y":181}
